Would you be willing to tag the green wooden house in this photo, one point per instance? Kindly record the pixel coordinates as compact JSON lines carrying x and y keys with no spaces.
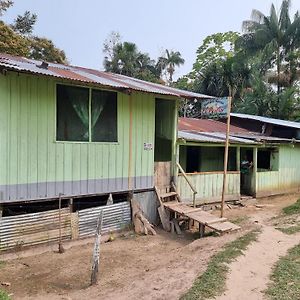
{"x":271,"y":145}
{"x":80,"y":132}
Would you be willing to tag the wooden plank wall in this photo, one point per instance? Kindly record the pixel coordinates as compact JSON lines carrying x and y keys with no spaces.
{"x":33,"y":165}
{"x":209,"y":186}
{"x":286,"y":179}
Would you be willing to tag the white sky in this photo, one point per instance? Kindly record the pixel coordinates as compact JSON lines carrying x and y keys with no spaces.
{"x":80,"y":27}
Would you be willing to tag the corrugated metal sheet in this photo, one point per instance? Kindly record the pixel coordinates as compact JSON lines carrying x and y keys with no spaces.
{"x":212,"y":137}
{"x":268,"y":120}
{"x":206,"y":125}
{"x":115,"y":217}
{"x":101,"y":78}
{"x":264,"y":138}
{"x":149,"y":204}
{"x":33,"y":229}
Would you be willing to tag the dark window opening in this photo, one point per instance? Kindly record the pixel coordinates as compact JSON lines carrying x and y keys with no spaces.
{"x":206,"y":159}
{"x":267,"y":160}
{"x":82,"y":119}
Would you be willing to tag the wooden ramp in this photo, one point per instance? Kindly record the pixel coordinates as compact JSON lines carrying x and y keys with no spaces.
{"x":220,"y":225}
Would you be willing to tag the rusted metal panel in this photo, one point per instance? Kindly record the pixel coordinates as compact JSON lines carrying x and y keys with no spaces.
{"x":32,"y":229}
{"x":115,"y":217}
{"x":207,"y":125}
{"x":86,"y":75}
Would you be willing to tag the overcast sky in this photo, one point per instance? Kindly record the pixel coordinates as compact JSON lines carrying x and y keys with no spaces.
{"x":80,"y":27}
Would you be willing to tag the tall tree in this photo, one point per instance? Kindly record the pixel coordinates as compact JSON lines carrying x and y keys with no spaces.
{"x":23,"y":24}
{"x":44,"y":49}
{"x":13,"y":43}
{"x":5,"y":5}
{"x":272,"y":43}
{"x":277,"y":40}
{"x":169,"y":62}
{"x":126,"y":59}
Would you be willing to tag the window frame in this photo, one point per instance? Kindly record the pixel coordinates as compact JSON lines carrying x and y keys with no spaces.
{"x":90,"y":88}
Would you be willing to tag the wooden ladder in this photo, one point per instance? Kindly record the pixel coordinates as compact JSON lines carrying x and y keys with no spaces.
{"x":166,"y":194}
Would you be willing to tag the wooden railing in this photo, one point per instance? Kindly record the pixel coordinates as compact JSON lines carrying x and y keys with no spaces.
{"x":189,"y":183}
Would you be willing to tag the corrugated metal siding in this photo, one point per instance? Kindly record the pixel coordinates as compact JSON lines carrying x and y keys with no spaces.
{"x":34,"y":166}
{"x":286,"y":178}
{"x":208,"y":186}
{"x":149,"y":203}
{"x":33,"y":229}
{"x":115,"y":217}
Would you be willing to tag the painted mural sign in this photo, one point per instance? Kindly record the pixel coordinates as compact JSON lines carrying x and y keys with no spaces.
{"x":214,"y":108}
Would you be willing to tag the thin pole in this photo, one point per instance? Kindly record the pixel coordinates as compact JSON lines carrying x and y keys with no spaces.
{"x":60,"y":246}
{"x":226,"y":156}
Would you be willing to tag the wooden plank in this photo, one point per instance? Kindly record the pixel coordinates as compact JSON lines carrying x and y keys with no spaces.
{"x":224,"y":227}
{"x":204,"y":217}
{"x":166,"y":195}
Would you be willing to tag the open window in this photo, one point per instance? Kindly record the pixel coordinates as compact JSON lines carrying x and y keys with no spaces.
{"x":267,"y":159}
{"x":206,"y":159}
{"x":85,"y":115}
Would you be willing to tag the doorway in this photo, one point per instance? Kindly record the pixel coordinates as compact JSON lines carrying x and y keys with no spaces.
{"x":247,"y":172}
{"x":164,"y":129}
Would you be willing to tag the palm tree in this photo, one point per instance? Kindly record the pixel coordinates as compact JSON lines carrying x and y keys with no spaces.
{"x":276,"y":39}
{"x":169,"y":62}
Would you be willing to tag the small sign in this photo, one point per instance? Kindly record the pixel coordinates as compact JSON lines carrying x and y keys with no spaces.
{"x":148,"y":146}
{"x":214,"y":108}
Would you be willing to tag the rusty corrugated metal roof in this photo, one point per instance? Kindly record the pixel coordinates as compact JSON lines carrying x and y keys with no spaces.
{"x":206,"y":125}
{"x":85,"y":75}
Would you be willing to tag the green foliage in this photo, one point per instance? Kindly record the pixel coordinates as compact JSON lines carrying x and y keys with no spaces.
{"x":169,"y":62}
{"x":44,"y":49}
{"x":212,"y":282}
{"x":11,"y":42}
{"x":4,"y":295}
{"x":16,"y":39}
{"x":125,"y":58}
{"x":286,"y":277}
{"x":5,"y":5}
{"x":215,"y":47}
{"x":292,"y":209}
{"x":23,"y":24}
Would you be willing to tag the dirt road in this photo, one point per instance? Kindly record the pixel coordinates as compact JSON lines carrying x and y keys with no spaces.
{"x":249,"y":274}
{"x":149,"y":267}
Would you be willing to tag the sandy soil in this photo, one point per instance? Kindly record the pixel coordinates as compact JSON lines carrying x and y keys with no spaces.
{"x":249,"y":274}
{"x":138,"y":267}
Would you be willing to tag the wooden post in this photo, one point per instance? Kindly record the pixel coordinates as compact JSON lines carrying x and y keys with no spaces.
{"x":96,"y":253}
{"x":71,"y":205}
{"x":60,"y":246}
{"x":226,"y":155}
{"x":1,"y":211}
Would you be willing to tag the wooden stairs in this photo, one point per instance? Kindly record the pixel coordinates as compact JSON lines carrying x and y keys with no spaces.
{"x":171,"y":210}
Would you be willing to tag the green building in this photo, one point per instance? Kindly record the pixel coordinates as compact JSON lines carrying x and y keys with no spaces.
{"x":270,"y":147}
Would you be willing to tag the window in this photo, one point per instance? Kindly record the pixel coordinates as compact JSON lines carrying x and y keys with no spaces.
{"x":86,"y":115}
{"x":267,"y":160}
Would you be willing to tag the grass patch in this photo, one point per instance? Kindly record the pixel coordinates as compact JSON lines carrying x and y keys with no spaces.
{"x":290,"y":229}
{"x":288,"y":221}
{"x":292,"y":209}
{"x":239,"y":220}
{"x":212,"y":282}
{"x":286,"y":277}
{"x":4,"y":295}
{"x":2,"y":264}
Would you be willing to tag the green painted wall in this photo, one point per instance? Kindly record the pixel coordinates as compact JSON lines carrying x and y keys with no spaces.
{"x":209,"y":187}
{"x":33,"y":164}
{"x":287,"y":178}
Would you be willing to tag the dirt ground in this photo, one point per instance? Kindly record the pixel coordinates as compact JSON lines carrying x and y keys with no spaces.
{"x":132,"y":267}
